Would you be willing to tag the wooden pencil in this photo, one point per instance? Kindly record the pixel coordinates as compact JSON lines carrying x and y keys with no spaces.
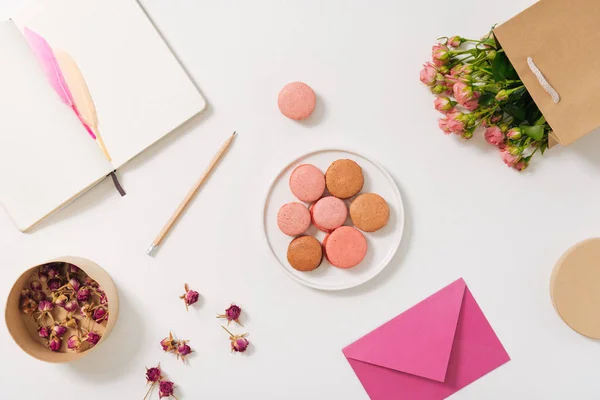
{"x":151,"y":251}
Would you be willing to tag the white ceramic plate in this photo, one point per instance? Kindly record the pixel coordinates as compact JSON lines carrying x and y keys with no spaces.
{"x":382,"y":244}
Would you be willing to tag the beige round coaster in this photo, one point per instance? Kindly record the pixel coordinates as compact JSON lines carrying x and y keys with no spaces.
{"x":575,"y":287}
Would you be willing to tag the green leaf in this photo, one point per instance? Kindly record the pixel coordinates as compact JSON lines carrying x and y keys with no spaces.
{"x":500,"y":67}
{"x":514,"y":111}
{"x":490,"y":42}
{"x":487,"y":98}
{"x":543,"y":147}
{"x":535,"y":132}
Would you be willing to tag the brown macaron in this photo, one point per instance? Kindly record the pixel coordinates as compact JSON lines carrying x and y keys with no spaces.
{"x":344,"y":178}
{"x":369,"y":212}
{"x":305,"y":253}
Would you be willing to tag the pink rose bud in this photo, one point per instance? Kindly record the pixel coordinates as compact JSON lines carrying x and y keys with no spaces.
{"x":103,"y":299}
{"x":53,"y":271}
{"x":494,"y":135}
{"x":99,"y":314}
{"x":25,"y":293}
{"x":74,"y":283}
{"x":502,"y":95}
{"x":54,"y":284}
{"x":59,"y":330}
{"x":44,"y":332}
{"x":165,"y":389}
{"x":61,"y":301}
{"x":521,"y":165}
{"x":71,"y":306}
{"x":455,"y":123}
{"x":54,"y":344}
{"x":443,"y":104}
{"x":35,"y":285}
{"x":29,"y":306}
{"x":73,"y":269}
{"x":443,"y":124}
{"x":455,"y":41}
{"x":232,"y":314}
{"x":39,"y":296}
{"x":83,"y":293}
{"x":43,"y":276}
{"x":73,"y":342}
{"x":168,"y":343}
{"x":239,"y":345}
{"x":189,"y":297}
{"x":93,"y":338}
{"x":90,"y":282}
{"x":153,"y":374}
{"x":45,"y":306}
{"x":514,"y":133}
{"x":464,"y":94}
{"x":508,"y":158}
{"x":428,"y":74}
{"x":184,"y":349}
{"x":440,"y":54}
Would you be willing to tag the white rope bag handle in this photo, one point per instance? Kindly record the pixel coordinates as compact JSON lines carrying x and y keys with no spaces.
{"x":540,"y":77}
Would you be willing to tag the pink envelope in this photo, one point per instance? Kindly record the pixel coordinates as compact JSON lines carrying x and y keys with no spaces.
{"x":430,"y":351}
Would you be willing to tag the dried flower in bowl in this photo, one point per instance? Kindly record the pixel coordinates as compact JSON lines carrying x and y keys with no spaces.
{"x":189,"y":297}
{"x":45,"y":308}
{"x":93,"y":338}
{"x":44,"y":332}
{"x":73,"y":342}
{"x":59,"y":330}
{"x":54,"y":284}
{"x":36,"y":286}
{"x":54,"y":343}
{"x":100,"y":314}
{"x":232,"y":314}
{"x":29,"y":306}
{"x":239,"y":343}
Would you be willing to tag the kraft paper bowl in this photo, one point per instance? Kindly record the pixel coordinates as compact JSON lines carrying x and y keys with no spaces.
{"x":28,"y":339}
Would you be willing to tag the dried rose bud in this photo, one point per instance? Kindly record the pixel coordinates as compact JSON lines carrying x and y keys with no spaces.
{"x":53,"y":271}
{"x":45,"y":306}
{"x":74,"y":283}
{"x":59,"y":330}
{"x":103,"y":299}
{"x":165,"y":389}
{"x":100,"y":314}
{"x":239,"y":343}
{"x":71,"y":306}
{"x":189,"y":297}
{"x":29,"y":306}
{"x":73,"y":342}
{"x":168,"y":344}
{"x":54,"y":343}
{"x":73,"y":269}
{"x":70,"y":322}
{"x":153,"y":374}
{"x":35,"y":285}
{"x":39,"y":296}
{"x":93,"y":338}
{"x":83,"y":293}
{"x":44,"y":332}
{"x":232,"y":314}
{"x":43,"y":276}
{"x":183,"y":350}
{"x":61,"y":301}
{"x":25,"y":293}
{"x":54,"y":284}
{"x":90,"y":282}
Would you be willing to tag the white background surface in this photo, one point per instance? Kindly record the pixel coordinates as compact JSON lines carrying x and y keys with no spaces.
{"x":467,"y":214}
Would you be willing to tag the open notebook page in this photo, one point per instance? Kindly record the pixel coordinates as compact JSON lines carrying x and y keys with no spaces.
{"x":46,"y":156}
{"x":140,"y":90}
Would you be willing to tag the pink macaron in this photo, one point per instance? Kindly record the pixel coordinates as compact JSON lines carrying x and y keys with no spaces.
{"x":329,"y":213}
{"x":307,"y":182}
{"x":293,"y":219}
{"x":345,"y":247}
{"x":297,"y":101}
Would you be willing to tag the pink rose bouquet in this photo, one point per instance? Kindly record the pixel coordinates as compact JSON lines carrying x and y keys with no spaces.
{"x":477,"y":86}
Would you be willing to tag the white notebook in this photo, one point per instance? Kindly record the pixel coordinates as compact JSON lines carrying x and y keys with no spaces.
{"x":138,"y":92}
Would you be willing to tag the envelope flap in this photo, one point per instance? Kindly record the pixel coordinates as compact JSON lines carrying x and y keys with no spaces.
{"x":563,"y":39}
{"x":418,"y":341}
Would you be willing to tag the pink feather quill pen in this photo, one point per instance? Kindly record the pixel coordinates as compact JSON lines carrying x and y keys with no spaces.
{"x":55,"y":77}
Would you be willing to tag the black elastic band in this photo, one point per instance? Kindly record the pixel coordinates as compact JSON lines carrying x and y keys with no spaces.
{"x":117,"y":184}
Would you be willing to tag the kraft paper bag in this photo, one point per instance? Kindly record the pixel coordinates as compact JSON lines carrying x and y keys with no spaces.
{"x":562,"y":37}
